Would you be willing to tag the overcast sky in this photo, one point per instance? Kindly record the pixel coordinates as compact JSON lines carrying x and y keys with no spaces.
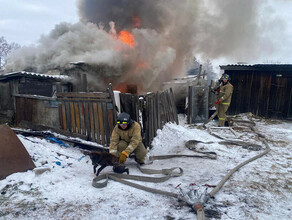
{"x":24,"y":21}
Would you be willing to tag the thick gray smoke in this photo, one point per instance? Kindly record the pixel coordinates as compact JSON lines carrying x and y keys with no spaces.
{"x":167,"y":35}
{"x":68,"y":43}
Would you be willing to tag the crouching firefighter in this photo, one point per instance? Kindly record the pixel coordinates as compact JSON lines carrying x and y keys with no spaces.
{"x":126,"y":139}
{"x":224,"y":98}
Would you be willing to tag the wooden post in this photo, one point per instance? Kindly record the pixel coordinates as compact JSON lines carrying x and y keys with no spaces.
{"x":112,"y":97}
{"x":200,"y":71}
{"x":173,"y":106}
{"x":58,"y":87}
{"x":190,"y":107}
{"x":83,"y":85}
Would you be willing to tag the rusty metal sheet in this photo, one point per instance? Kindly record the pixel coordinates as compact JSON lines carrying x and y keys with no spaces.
{"x":13,"y":155}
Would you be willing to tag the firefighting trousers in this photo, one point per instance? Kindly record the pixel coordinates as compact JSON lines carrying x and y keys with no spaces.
{"x":221,"y":114}
{"x":140,"y":151}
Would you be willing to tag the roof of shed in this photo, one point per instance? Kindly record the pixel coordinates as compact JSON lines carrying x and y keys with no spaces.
{"x":34,"y":75}
{"x":268,"y":67}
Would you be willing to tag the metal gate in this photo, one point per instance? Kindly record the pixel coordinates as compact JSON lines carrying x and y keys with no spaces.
{"x":198,"y":108}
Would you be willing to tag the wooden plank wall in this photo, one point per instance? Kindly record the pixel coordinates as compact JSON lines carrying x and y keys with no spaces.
{"x":38,"y":110}
{"x":90,"y":114}
{"x":280,"y":97}
{"x":130,"y":104}
{"x":24,"y":109}
{"x":261,"y":93}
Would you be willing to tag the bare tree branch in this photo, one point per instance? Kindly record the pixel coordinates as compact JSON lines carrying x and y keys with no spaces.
{"x":5,"y":49}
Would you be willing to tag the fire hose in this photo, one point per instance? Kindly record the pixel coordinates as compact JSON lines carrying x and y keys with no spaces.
{"x":193,"y":198}
{"x":197,"y":201}
{"x":168,"y":173}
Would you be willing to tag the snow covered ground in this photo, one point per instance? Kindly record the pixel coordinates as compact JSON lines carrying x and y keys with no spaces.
{"x":259,"y":190}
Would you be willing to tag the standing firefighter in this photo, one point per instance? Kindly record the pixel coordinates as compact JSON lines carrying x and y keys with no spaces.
{"x":224,"y":98}
{"x":126,"y":138}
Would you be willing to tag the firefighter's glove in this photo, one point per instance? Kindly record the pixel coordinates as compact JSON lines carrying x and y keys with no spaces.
{"x":217,"y":102}
{"x":123,"y":156}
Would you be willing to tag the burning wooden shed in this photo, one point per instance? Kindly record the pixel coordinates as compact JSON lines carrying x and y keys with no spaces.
{"x":263,"y":89}
{"x":91,"y":77}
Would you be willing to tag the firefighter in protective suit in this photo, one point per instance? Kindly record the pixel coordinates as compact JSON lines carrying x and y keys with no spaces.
{"x":126,"y":139}
{"x":224,"y":98}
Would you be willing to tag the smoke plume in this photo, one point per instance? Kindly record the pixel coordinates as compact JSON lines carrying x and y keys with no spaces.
{"x":167,"y":34}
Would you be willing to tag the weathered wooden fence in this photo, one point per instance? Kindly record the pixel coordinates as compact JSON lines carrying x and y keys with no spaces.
{"x":159,"y":110}
{"x":156,"y":110}
{"x":94,"y":114}
{"x":130,"y":103}
{"x":90,"y":114}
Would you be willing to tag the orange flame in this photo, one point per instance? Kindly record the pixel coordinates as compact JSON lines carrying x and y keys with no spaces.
{"x":127,"y":38}
{"x":127,"y":88}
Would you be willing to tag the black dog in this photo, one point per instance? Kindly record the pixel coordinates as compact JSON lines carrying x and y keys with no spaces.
{"x":105,"y":159}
